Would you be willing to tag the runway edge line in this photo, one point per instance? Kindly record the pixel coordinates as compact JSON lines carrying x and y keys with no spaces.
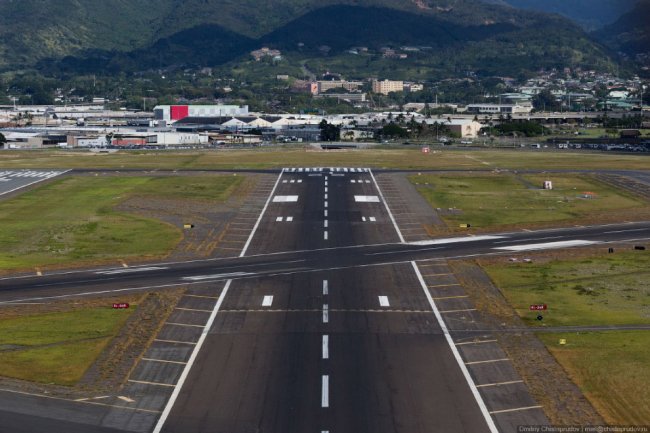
{"x":186,"y":371}
{"x":459,"y":360}
{"x":390,"y":214}
{"x":259,"y":220}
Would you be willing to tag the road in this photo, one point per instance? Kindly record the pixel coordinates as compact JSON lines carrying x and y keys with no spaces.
{"x":325,"y":323}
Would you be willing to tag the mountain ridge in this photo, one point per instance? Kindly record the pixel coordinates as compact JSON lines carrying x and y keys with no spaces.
{"x":142,"y":34}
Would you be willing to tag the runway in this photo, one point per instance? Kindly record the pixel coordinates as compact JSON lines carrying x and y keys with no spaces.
{"x":327,"y":322}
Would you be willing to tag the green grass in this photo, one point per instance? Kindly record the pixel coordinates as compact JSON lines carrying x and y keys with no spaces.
{"x":493,"y":200}
{"x":73,"y":219}
{"x":612,"y":370}
{"x":57,"y":347}
{"x":608,"y":289}
{"x":281,"y":157}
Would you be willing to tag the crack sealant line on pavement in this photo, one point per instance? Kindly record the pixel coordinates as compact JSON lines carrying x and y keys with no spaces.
{"x":459,"y":360}
{"x":190,"y":362}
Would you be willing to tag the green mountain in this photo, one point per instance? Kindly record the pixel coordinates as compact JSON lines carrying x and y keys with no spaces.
{"x":133,"y":35}
{"x":590,"y":14}
{"x":630,"y":34}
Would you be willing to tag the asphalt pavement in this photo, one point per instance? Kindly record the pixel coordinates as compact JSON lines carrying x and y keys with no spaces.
{"x":327,"y":322}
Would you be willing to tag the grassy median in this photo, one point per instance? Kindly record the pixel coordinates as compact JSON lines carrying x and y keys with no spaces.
{"x":495,"y":199}
{"x":589,"y":289}
{"x":57,"y":347}
{"x":74,"y":220}
{"x":611,"y":369}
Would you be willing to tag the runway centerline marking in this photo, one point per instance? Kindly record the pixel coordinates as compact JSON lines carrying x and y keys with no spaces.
{"x":325,"y":392}
{"x":326,"y":344}
{"x":325,"y":287}
{"x":268,"y":301}
{"x":325,"y":235}
{"x":326,"y":313}
{"x":383,"y":301}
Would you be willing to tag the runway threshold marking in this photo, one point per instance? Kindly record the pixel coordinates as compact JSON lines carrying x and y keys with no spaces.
{"x":193,"y":356}
{"x":56,"y":174}
{"x":454,"y":350}
{"x":259,"y":219}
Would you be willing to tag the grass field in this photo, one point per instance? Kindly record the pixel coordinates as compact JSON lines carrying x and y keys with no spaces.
{"x":612,"y":370}
{"x":280,"y":157}
{"x":492,"y":200}
{"x":606,"y":289}
{"x":73,"y":219}
{"x":57,"y":347}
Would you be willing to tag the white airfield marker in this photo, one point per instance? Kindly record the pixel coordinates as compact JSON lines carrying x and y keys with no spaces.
{"x":285,"y":199}
{"x":366,"y":199}
{"x":547,"y":245}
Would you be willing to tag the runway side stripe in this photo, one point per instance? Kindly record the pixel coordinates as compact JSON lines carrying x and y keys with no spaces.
{"x":454,"y":350}
{"x":190,"y":362}
{"x":390,"y":214}
{"x":259,"y":220}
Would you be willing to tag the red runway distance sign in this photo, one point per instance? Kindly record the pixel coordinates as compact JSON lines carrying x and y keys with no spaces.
{"x":538,"y":307}
{"x":121,"y":305}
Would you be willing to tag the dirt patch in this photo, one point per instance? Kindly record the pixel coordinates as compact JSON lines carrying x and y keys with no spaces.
{"x":116,"y":362}
{"x":547,"y":381}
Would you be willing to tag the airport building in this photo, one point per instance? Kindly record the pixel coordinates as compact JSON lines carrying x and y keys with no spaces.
{"x":172,"y":113}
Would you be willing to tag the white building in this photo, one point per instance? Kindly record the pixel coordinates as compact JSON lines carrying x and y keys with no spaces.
{"x":499,"y":109}
{"x":171,"y":113}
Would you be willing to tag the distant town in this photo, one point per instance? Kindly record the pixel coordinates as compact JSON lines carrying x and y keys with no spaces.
{"x":568,"y":108}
